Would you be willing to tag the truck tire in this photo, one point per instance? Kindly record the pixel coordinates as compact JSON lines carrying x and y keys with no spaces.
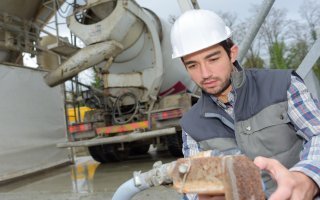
{"x":174,"y":142}
{"x":107,"y":153}
{"x":96,"y":153}
{"x":138,"y":150}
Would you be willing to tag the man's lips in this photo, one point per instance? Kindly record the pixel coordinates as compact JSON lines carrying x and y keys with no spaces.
{"x":210,"y":83}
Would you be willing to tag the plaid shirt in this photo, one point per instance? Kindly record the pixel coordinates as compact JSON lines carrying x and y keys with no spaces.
{"x":304,"y":113}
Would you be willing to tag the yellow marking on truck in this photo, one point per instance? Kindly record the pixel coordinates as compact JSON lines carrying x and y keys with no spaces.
{"x":122,"y":128}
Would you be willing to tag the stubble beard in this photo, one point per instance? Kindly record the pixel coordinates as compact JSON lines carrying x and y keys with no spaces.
{"x":218,"y":90}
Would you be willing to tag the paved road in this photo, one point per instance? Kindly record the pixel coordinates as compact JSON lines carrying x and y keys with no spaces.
{"x":87,"y":180}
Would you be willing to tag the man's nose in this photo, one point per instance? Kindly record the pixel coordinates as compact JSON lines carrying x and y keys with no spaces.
{"x":205,"y":72}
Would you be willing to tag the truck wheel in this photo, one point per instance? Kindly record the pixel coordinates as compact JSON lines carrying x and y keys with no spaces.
{"x":96,"y":153}
{"x":108,"y":153}
{"x":115,"y":155}
{"x":138,"y":150}
{"x":174,"y":142}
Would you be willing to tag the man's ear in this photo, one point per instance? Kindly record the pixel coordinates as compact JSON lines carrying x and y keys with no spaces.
{"x":234,"y":53}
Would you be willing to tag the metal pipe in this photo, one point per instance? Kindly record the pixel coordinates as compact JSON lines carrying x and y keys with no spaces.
{"x":309,"y":60}
{"x":95,"y":90}
{"x":119,"y":139}
{"x":186,"y":5}
{"x":253,"y":30}
{"x":56,"y":20}
{"x":128,"y":190}
{"x":83,"y":59}
{"x":159,"y":175}
{"x":305,"y":69}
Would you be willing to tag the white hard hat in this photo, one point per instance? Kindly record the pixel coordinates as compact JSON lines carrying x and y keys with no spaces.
{"x":195,"y":30}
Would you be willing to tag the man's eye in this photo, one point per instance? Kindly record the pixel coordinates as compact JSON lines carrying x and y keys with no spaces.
{"x":213,"y":59}
{"x":191,"y":66}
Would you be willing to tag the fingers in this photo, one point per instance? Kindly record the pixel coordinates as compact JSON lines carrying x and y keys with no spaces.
{"x":282,"y":192}
{"x":267,"y":163}
{"x":264,"y":164}
{"x":280,"y":174}
{"x":274,"y":167}
{"x":260,"y":162}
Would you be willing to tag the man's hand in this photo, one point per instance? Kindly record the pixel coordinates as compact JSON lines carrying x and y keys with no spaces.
{"x":291,"y":185}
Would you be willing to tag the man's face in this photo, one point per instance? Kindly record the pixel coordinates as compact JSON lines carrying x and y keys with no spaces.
{"x":211,"y":68}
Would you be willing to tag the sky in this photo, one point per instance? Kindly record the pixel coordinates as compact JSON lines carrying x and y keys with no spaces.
{"x":240,"y":7}
{"x":164,"y":8}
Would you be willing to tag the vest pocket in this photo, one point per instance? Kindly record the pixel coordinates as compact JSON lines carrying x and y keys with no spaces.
{"x":268,"y":133}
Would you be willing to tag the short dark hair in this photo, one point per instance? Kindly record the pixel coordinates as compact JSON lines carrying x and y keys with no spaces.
{"x":227,"y":44}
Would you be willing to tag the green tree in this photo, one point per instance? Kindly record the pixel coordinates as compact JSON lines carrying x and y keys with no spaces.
{"x":253,"y":60}
{"x":297,"y":51}
{"x":274,"y":33}
{"x":277,"y":55}
{"x":97,"y":78}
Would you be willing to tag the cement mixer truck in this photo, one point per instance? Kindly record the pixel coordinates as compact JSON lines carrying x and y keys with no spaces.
{"x":144,"y":91}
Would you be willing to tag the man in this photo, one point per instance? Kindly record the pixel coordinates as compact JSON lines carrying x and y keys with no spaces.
{"x":268,"y":115}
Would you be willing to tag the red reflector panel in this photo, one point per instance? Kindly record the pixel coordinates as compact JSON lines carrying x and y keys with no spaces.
{"x":80,"y":128}
{"x":167,"y":114}
{"x":122,"y":128}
